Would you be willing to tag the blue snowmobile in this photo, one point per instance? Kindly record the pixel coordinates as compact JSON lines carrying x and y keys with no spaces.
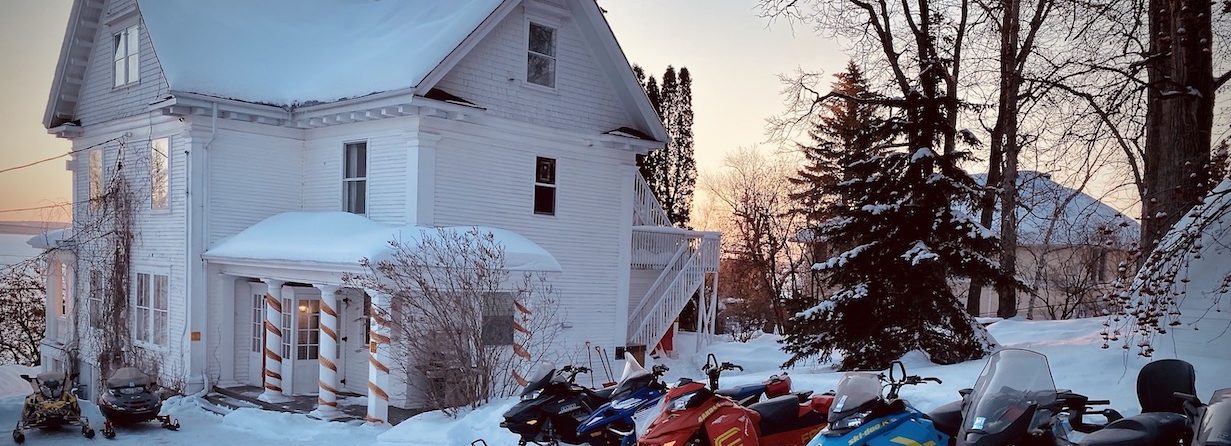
{"x":613,"y":423}
{"x":860,"y":415}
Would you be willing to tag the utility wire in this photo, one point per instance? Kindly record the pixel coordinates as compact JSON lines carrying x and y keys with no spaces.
{"x":36,"y":208}
{"x":62,"y":155}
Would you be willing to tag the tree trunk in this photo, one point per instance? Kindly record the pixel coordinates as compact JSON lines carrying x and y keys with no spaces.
{"x":1006,"y":129}
{"x":1179,"y":115}
{"x":987,"y":207}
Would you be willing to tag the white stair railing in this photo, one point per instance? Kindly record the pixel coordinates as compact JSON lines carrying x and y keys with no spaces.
{"x":647,"y":211}
{"x":664,"y":301}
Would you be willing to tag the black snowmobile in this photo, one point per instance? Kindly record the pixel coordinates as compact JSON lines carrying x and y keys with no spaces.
{"x":552,"y":406}
{"x":52,"y":405}
{"x":130,"y":399}
{"x":1171,"y":414}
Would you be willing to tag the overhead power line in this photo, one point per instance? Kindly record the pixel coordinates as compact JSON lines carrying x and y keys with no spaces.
{"x":62,"y":155}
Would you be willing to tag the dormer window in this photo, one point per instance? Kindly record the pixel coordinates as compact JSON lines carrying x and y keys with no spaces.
{"x":541,"y":57}
{"x":127,"y":60}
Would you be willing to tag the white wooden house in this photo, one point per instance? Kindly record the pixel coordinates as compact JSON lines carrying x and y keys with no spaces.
{"x":271,"y":144}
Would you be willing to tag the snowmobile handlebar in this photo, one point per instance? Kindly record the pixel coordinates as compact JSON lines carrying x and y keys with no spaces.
{"x":659,"y":369}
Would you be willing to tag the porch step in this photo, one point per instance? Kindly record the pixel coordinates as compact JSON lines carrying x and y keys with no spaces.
{"x":246,"y":396}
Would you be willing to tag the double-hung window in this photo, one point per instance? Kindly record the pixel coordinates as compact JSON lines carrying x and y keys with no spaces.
{"x":96,"y":178}
{"x":127,"y":55}
{"x":160,"y":180}
{"x":152,"y":308}
{"x":355,"y":177}
{"x":541,"y":55}
{"x":497,"y":319}
{"x":545,"y":186}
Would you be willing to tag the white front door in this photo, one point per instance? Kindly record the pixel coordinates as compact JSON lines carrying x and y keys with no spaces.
{"x":304,"y":325}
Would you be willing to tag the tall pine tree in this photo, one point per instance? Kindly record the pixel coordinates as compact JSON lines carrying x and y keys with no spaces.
{"x":846,"y":131}
{"x":672,"y":171}
{"x":899,"y":217}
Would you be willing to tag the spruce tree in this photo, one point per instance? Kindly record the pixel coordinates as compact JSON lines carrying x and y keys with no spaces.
{"x":846,"y":131}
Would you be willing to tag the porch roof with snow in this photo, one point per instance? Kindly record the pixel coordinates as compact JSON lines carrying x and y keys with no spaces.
{"x":339,"y":240}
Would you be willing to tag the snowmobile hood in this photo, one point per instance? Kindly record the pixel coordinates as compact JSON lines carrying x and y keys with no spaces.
{"x":128,"y":377}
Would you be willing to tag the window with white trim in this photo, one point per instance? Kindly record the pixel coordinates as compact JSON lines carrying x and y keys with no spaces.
{"x":307,"y":327}
{"x":127,"y":56}
{"x":160,"y":180}
{"x":258,"y":321}
{"x":96,"y":298}
{"x":96,"y":177}
{"x":545,"y":186}
{"x":541,"y":55}
{"x":497,"y":313}
{"x":355,"y":177}
{"x":152,"y":309}
{"x":66,"y":291}
{"x":286,"y":328}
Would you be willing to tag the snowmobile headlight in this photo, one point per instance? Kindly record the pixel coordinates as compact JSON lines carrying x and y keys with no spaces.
{"x":681,"y":402}
{"x":532,"y":395}
{"x":851,"y":422}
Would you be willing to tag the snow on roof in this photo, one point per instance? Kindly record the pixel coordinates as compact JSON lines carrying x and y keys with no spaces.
{"x":289,"y":52}
{"x":48,"y":240}
{"x":342,"y":238}
{"x":1076,"y":223}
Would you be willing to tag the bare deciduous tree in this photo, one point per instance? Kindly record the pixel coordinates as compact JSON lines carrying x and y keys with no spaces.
{"x":22,"y":298}
{"x":465,"y":328}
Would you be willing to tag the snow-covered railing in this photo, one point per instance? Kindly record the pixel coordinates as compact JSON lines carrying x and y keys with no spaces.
{"x":647,"y":211}
{"x":653,"y":246}
{"x":684,"y":275}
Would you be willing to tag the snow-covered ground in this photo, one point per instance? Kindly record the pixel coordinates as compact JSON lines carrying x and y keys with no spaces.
{"x":1073,"y":347}
{"x":198,"y":426}
{"x":13,"y":249}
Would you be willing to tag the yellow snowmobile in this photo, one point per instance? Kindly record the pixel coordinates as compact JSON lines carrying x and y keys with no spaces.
{"x":51,"y":406}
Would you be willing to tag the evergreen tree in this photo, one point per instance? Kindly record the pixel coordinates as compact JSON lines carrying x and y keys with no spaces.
{"x":892,"y":293}
{"x":846,"y":131}
{"x":671,"y":172}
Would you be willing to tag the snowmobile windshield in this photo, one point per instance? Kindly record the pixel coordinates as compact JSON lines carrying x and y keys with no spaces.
{"x":51,"y":388}
{"x":856,"y":392}
{"x":631,"y":384}
{"x":544,"y":378}
{"x":1013,"y":385}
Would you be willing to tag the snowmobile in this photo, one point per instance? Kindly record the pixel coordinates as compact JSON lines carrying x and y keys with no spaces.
{"x":552,"y":406}
{"x":773,"y":387}
{"x":51,"y":406}
{"x":129,"y":399}
{"x":694,"y":415}
{"x":613,"y":423}
{"x":1171,"y":414}
{"x":861,"y":416}
{"x":1015,"y":402}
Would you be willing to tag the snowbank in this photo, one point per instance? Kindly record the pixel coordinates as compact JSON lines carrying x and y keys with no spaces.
{"x":343,"y":238}
{"x":436,"y":429}
{"x":288,"y":52}
{"x":11,"y":383}
{"x":14,"y":249}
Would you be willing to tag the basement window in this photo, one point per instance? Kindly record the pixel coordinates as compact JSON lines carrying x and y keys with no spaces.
{"x":541,"y":55}
{"x":545,"y":186}
{"x":127,"y":56}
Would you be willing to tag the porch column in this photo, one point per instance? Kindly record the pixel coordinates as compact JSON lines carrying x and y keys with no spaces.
{"x":272,"y":358}
{"x":378,"y":359}
{"x":327,"y":397}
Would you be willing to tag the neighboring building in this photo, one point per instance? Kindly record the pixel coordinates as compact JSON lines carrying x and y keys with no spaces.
{"x":270,"y":145}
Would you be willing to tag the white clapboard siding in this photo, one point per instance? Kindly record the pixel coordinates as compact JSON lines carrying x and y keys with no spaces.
{"x":493,"y":76}
{"x":100,"y":100}
{"x":254,"y":172}
{"x":490,"y":181}
{"x":386,"y":174}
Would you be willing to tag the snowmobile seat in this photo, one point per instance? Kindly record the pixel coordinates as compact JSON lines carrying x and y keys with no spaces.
{"x":1147,"y":428}
{"x":741,"y":393}
{"x":781,"y":414}
{"x":947,"y":418}
{"x":1160,"y":380}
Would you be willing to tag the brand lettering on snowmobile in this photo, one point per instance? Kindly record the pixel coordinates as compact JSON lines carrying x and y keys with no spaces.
{"x":722,"y":439}
{"x":867,"y":432}
{"x":707,"y":413}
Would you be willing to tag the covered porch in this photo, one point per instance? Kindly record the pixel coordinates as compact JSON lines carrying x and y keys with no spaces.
{"x":304,"y":341}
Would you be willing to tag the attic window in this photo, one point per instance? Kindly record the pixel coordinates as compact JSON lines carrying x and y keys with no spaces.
{"x":127,"y":49}
{"x":541,"y":56}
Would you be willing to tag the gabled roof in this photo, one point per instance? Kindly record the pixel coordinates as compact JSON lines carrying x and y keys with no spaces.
{"x":290,"y":53}
{"x":1076,"y":223}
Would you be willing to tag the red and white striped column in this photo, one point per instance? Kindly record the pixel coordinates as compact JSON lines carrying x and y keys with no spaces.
{"x":327,"y":397}
{"x":378,"y":359}
{"x":273,"y":342}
